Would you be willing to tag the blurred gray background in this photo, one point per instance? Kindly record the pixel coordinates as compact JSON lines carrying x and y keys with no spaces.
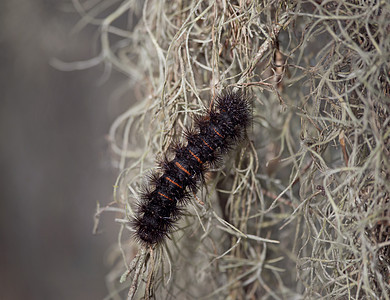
{"x":55,"y":160}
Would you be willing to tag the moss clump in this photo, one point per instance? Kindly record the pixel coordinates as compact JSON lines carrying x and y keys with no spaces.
{"x":302,"y":209}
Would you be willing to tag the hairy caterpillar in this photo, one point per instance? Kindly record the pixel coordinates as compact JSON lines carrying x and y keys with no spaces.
{"x":212,"y":135}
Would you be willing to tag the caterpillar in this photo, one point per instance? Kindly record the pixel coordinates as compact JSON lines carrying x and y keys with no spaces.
{"x":211,"y":136}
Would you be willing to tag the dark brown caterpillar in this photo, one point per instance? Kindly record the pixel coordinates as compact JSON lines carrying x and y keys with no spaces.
{"x":212,"y":135}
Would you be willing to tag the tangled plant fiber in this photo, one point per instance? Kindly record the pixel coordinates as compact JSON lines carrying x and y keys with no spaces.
{"x":301,"y":209}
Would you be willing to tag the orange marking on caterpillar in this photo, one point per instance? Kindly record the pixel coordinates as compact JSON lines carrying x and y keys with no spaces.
{"x":165,"y":196}
{"x":218,"y":133}
{"x":182,"y":168}
{"x":207,"y":145}
{"x":170,"y":180}
{"x":197,"y":158}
